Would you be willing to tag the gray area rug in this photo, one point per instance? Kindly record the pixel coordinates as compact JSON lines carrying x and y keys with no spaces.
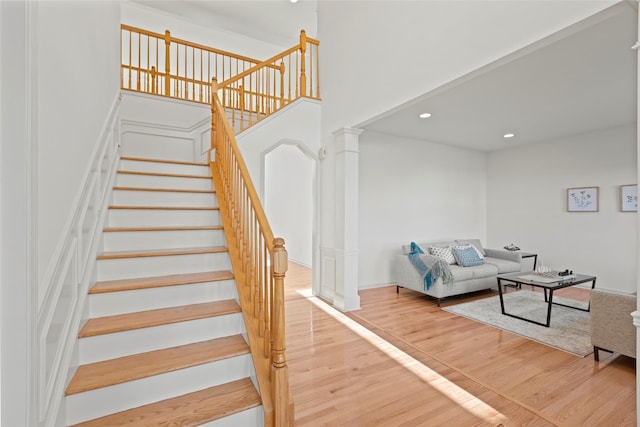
{"x":569,"y":330}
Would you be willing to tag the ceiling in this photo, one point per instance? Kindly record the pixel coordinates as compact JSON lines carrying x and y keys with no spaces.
{"x":578,"y":80}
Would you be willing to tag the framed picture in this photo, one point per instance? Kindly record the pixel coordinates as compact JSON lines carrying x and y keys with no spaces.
{"x":584,"y":199}
{"x":629,"y":198}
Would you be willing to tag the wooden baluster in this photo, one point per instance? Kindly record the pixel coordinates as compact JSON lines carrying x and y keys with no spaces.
{"x":279,"y":369}
{"x":154,"y":76}
{"x":303,"y":75}
{"x":282,"y":100}
{"x":130,"y":67}
{"x":241,"y":106}
{"x":167,"y":63}
{"x":317,"y":72}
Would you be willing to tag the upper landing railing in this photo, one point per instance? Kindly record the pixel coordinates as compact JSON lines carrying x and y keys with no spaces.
{"x":249,"y":89}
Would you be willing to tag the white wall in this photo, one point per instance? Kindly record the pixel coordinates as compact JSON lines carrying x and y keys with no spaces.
{"x":78,"y":51}
{"x":297,"y":125}
{"x":415,"y":191}
{"x":158,"y":21}
{"x":289,"y":184}
{"x":16,"y":264}
{"x":64,"y":82}
{"x":527,"y":192}
{"x":182,"y":128}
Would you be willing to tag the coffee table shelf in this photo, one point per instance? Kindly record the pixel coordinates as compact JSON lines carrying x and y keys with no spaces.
{"x":519,"y":278}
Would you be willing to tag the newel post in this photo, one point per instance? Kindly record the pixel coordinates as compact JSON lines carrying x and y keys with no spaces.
{"x":279,"y":370}
{"x":303,"y":75}
{"x":167,"y":63}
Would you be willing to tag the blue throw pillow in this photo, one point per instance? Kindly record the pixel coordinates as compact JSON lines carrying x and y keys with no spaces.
{"x":467,"y":257}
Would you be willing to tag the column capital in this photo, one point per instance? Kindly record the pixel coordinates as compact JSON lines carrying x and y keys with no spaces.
{"x":347,"y":131}
{"x":347,"y":140}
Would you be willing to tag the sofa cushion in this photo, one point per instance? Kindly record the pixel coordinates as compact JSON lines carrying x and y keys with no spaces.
{"x":444,"y":253}
{"x":503,"y":265}
{"x":461,"y":273}
{"x":484,"y":270}
{"x":467,"y":257}
{"x":474,"y":242}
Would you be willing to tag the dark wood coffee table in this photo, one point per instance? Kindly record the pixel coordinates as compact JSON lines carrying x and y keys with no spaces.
{"x":519,"y":278}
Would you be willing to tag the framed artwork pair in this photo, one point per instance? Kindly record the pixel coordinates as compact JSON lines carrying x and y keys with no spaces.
{"x":586,"y":199}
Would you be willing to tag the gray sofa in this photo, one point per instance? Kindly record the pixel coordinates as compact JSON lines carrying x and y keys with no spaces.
{"x":612,"y":327}
{"x":466,"y":279}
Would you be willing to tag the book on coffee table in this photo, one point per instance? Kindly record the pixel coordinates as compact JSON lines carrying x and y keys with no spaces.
{"x":546,"y":277}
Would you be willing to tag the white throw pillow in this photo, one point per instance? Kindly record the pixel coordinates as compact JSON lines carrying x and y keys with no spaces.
{"x":445,"y":253}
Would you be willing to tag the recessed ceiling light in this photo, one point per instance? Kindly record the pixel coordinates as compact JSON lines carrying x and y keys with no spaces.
{"x":293,"y":1}
{"x":425,"y":115}
{"x":509,"y":135}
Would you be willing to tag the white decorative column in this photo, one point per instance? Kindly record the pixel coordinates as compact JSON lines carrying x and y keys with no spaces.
{"x":346,"y":222}
{"x":636,"y":314}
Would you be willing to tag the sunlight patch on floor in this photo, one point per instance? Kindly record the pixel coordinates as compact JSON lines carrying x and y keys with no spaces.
{"x":453,"y":392}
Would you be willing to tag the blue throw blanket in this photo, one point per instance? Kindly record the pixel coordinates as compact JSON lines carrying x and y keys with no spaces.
{"x":429,"y":273}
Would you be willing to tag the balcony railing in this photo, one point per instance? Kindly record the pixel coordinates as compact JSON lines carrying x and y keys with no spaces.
{"x":161,"y":64}
{"x":250,"y":89}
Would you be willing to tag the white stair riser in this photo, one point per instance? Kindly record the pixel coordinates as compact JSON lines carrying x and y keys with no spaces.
{"x":125,"y":268}
{"x":137,"y":240}
{"x":253,"y":417}
{"x":111,"y":303}
{"x":119,"y":344}
{"x":131,"y":180}
{"x":120,"y":397}
{"x":161,"y":218}
{"x":162,"y":198}
{"x":140,"y":166}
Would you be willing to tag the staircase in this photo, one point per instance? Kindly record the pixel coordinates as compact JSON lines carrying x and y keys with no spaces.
{"x":164,"y":340}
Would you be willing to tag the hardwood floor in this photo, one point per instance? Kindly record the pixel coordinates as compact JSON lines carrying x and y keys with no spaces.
{"x":401,"y":360}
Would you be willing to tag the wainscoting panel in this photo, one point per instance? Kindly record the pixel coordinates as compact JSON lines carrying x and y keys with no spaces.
{"x":55,"y":325}
{"x":63,"y":291}
{"x":328,"y":274}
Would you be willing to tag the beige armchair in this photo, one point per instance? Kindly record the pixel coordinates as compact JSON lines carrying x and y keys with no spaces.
{"x":612,"y":326}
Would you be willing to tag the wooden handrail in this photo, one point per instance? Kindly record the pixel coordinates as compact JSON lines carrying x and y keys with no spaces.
{"x":259,"y":264}
{"x":272,"y":84}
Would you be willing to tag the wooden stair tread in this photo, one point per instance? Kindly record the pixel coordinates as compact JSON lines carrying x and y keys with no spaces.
{"x":129,"y":368}
{"x":144,"y":253}
{"x":178,"y":228}
{"x":172,"y":175}
{"x":191,"y":409}
{"x":163,"y":190}
{"x":159,"y":281}
{"x":161,"y":316}
{"x":167,"y":208}
{"x":173,"y":162}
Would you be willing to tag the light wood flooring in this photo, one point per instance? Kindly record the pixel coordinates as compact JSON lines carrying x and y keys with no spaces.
{"x":401,"y":360}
